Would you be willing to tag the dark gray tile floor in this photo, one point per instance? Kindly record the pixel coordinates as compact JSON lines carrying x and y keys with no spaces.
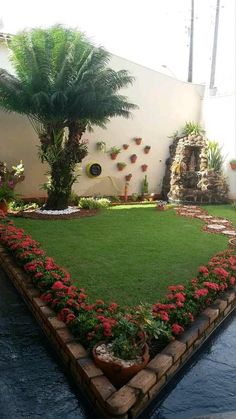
{"x":33,"y":383}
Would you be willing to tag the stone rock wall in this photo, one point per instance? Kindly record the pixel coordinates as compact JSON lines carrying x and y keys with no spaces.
{"x":187,"y":177}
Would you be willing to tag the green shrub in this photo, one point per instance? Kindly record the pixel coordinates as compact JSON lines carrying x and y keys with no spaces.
{"x":93,"y":203}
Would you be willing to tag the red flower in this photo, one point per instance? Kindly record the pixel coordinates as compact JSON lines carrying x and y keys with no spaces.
{"x":211,"y":285}
{"x":221,"y":272}
{"x":58,"y":285}
{"x":180,"y":297}
{"x":200,"y":293}
{"x":232,"y":280}
{"x":203,"y":270}
{"x":177,"y":329}
{"x":164,"y":316}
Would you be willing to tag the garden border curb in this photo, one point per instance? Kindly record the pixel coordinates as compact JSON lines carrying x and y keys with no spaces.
{"x":131,"y":399}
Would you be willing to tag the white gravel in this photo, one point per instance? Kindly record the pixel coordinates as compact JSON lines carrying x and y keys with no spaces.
{"x":69,"y":210}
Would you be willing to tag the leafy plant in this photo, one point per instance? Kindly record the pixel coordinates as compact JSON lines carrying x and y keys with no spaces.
{"x":134,"y":197}
{"x":74,"y":198}
{"x":233,"y":161}
{"x":61,"y":81}
{"x":192,"y":128}
{"x":115,"y":150}
{"x":145,"y":185}
{"x":214,"y":156}
{"x":101,"y":145}
{"x":93,"y":203}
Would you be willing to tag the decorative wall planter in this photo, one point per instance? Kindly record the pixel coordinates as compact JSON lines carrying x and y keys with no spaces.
{"x":125,"y":146}
{"x":133,"y":158}
{"x":121,"y":165}
{"x":144,"y":167}
{"x":233,"y":165}
{"x":146,"y":149}
{"x":101,"y":146}
{"x":138,"y":140}
{"x":128,"y":177}
{"x":114,"y":155}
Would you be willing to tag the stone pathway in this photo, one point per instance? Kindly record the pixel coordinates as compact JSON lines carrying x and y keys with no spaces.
{"x":212,"y":224}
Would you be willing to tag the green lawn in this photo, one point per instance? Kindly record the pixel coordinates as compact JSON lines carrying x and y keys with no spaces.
{"x":226,"y":211}
{"x":129,"y":253}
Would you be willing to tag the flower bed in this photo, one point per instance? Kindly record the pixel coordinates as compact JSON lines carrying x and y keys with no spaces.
{"x":92,"y":322}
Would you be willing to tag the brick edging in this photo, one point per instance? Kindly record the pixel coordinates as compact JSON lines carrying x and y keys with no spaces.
{"x":132,"y":398}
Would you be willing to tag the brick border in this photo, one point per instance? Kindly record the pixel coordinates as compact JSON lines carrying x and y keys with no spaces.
{"x":130,"y":400}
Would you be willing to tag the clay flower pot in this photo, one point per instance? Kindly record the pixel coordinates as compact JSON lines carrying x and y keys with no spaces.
{"x":117,"y":373}
{"x":125,"y":146}
{"x":121,"y":166}
{"x":147,"y":149}
{"x":233,"y":165}
{"x":133,"y":158}
{"x":144,"y":167}
{"x":113,"y":156}
{"x":232,"y":243}
{"x":138,"y":140}
{"x":128,"y":177}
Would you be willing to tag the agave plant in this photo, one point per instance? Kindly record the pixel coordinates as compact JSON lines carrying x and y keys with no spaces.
{"x":214,"y":156}
{"x":62,"y":83}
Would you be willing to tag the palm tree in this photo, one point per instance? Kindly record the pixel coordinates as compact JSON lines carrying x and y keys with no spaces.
{"x":64,"y":86}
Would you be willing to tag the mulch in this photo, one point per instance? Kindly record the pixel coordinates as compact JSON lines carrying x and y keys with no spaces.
{"x":37,"y":216}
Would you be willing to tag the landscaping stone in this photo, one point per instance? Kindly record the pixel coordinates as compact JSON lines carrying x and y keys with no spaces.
{"x":160,"y":364}
{"x":143,"y":381}
{"x":229,"y":232}
{"x":215,"y":227}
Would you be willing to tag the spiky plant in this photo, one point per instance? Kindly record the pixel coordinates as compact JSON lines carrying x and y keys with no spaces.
{"x":192,"y":128}
{"x":64,"y":86}
{"x":215,"y":159}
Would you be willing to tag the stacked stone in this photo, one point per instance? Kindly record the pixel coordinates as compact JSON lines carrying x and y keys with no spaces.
{"x":192,"y":182}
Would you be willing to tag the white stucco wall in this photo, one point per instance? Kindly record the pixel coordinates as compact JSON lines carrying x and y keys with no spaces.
{"x":165,"y":104}
{"x":218,"y":118}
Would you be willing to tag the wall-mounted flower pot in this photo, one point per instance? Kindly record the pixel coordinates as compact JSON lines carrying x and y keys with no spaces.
{"x":144,"y":167}
{"x":113,"y":156}
{"x":121,"y":166}
{"x":128,"y":177}
{"x":125,"y":146}
{"x":138,"y":140}
{"x":133,"y":158}
{"x":233,"y":165}
{"x":147,"y":149}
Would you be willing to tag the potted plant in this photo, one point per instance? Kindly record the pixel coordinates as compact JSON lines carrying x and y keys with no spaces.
{"x":144,"y":167}
{"x":125,"y":146}
{"x":101,"y":146}
{"x":7,"y":194}
{"x":138,"y":140}
{"x":133,"y":158}
{"x":127,"y":352}
{"x":134,"y":197}
{"x":114,"y":151}
{"x":233,"y":164}
{"x":121,"y":165}
{"x":147,"y":149}
{"x":128,"y":177}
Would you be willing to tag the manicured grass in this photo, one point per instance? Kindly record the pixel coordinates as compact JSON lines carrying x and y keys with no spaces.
{"x":225,"y":211}
{"x":127,"y":253}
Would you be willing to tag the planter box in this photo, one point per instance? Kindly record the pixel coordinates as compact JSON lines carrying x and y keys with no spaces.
{"x":131,"y":399}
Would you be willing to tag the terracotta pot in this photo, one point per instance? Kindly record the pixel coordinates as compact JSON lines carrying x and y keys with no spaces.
{"x":120,"y":167}
{"x":146,"y":150}
{"x":138,"y":140}
{"x":125,"y":146}
{"x":233,"y":166}
{"x":144,"y":167}
{"x":113,"y":156}
{"x":116,"y":373}
{"x":128,"y":177}
{"x":4,"y":206}
{"x":133,"y":158}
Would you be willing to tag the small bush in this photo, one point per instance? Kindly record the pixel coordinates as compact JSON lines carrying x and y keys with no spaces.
{"x":93,"y":203}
